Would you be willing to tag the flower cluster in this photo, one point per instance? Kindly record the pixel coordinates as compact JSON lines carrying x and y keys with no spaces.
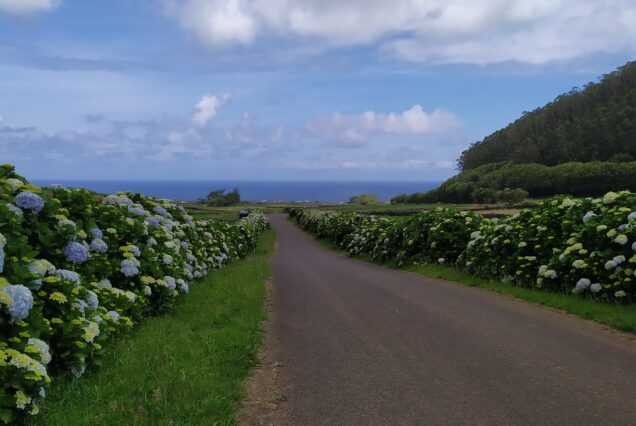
{"x":583,"y":246}
{"x":77,"y":268}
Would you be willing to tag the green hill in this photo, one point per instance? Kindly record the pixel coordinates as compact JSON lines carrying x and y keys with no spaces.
{"x":582,"y":143}
{"x":596,"y":123}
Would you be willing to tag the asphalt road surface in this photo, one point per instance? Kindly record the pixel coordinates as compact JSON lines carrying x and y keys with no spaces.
{"x":365,"y":345}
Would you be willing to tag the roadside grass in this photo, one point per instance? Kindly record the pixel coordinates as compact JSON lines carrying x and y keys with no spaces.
{"x":186,"y":367}
{"x":617,"y":316}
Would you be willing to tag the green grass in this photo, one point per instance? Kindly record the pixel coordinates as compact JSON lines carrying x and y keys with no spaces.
{"x":184,"y":368}
{"x":620,"y":317}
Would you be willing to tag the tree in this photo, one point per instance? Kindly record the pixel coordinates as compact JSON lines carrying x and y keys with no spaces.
{"x":364,"y":199}
{"x":218,"y":198}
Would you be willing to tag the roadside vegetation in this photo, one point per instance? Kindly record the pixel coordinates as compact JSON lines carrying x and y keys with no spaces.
{"x":186,"y":367}
{"x":79,"y":269}
{"x":567,"y":253}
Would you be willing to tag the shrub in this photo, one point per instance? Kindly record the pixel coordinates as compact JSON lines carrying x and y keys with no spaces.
{"x":583,"y":246}
{"x":77,"y":268}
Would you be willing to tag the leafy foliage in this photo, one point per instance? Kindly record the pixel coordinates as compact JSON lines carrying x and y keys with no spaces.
{"x":584,"y":246}
{"x":77,"y":268}
{"x":490,"y":183}
{"x":219,"y":198}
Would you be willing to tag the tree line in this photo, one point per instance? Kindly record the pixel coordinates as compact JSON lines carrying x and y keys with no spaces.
{"x":593,"y":123}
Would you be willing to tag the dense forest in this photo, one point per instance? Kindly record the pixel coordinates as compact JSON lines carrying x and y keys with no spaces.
{"x":582,"y":143}
{"x":595,"y":123}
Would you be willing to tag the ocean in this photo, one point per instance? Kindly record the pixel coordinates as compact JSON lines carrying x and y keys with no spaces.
{"x":257,"y":191}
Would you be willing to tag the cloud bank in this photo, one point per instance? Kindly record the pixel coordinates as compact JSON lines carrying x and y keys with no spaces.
{"x":359,"y":129}
{"x":27,"y":7}
{"x":432,"y":31}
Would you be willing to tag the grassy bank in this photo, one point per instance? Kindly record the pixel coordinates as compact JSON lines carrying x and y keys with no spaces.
{"x":186,"y":367}
{"x":620,"y":317}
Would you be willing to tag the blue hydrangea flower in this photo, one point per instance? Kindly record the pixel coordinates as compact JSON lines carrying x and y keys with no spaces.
{"x":153,"y":221}
{"x":76,"y":252}
{"x":92,"y":300}
{"x":188,"y":267}
{"x":191,"y":257}
{"x":29,"y":201}
{"x":114,"y":315}
{"x":96,"y":232}
{"x":1,"y":260}
{"x":99,"y":246}
{"x":185,"y":245}
{"x":69,"y":276}
{"x":128,"y":268}
{"x":22,"y":300}
{"x":172,"y":284}
{"x":160,"y":210}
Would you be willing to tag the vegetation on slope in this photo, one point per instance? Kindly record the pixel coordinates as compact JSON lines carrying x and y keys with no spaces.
{"x":491,"y":182}
{"x":596,"y":123}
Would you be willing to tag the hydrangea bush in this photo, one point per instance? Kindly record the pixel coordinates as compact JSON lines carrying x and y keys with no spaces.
{"x":582,"y":246}
{"x":77,"y":268}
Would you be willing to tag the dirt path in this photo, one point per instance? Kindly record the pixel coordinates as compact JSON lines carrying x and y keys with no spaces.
{"x":358,"y":344}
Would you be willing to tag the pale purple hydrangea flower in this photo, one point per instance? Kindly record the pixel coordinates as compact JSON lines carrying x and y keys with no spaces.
{"x":75,"y":252}
{"x":185,"y":245}
{"x":27,"y":200}
{"x":172,"y":284}
{"x":160,"y":210}
{"x":136,"y":211}
{"x":1,"y":260}
{"x":152,"y":221}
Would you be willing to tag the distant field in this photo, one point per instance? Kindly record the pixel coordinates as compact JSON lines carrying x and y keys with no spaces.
{"x":231,"y":213}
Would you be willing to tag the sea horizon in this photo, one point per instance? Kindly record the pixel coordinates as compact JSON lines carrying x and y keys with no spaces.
{"x":326,"y":191}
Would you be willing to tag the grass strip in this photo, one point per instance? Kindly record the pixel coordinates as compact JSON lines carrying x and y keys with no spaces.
{"x":617,"y":316}
{"x":186,"y":367}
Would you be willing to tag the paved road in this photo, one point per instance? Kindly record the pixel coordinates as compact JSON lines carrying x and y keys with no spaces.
{"x":365,"y":345}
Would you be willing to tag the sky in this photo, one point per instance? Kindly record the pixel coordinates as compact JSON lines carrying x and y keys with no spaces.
{"x":285,"y":89}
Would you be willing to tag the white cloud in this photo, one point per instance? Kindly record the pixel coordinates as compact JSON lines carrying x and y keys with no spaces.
{"x":358,"y":129}
{"x":432,"y":31}
{"x":207,"y":107}
{"x":27,"y":7}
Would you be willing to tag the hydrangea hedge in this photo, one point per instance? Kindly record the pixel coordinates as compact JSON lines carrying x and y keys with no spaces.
{"x":577,"y":245}
{"x":77,"y":268}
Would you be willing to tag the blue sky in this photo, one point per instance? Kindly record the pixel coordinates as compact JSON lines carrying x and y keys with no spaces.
{"x":285,"y":89}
